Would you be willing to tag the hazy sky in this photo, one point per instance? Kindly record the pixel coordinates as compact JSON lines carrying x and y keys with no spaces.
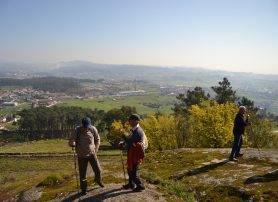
{"x":233,"y":35}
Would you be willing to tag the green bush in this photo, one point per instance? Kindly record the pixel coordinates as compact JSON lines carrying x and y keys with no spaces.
{"x":260,"y":133}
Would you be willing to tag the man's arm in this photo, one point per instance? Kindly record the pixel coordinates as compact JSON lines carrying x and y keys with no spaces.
{"x":96,"y":138}
{"x":247,"y":121}
{"x":72,"y":140}
{"x":138,"y":137}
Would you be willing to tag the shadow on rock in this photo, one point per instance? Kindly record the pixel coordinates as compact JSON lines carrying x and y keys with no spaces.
{"x":98,"y":197}
{"x":199,"y":170}
{"x":272,"y":176}
{"x":75,"y":196}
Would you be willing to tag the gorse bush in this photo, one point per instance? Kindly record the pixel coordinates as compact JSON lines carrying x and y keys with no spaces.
{"x":160,"y":132}
{"x":260,"y":133}
{"x":207,"y":124}
{"x":114,"y":136}
{"x":212,"y":124}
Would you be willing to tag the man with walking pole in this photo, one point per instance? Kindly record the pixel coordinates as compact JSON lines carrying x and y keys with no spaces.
{"x":136,"y":144}
{"x":239,"y":127}
{"x":86,"y":142}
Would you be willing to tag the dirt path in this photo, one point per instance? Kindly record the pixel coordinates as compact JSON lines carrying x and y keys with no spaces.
{"x":115,"y":193}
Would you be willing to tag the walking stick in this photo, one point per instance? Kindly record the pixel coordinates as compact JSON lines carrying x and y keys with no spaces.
{"x":257,"y":144}
{"x":123,"y":165}
{"x":75,"y":167}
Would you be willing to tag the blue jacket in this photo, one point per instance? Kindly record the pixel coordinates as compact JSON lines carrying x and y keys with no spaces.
{"x":239,"y":124}
{"x":136,"y":136}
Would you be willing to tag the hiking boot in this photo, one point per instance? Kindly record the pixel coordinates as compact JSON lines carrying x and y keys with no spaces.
{"x":83,"y":192}
{"x":239,"y":155}
{"x":233,"y":159}
{"x":139,"y":189}
{"x":128,"y":186}
{"x":100,"y":183}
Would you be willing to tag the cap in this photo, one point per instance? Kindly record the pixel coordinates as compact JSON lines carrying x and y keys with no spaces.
{"x":86,"y":122}
{"x":134,"y":117}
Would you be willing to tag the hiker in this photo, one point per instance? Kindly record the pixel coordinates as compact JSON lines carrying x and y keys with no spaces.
{"x":86,"y":140}
{"x":135,"y":143}
{"x":239,"y":126}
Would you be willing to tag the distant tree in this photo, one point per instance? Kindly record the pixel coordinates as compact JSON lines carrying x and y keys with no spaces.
{"x":249,"y":104}
{"x":224,"y":92}
{"x":121,"y":115}
{"x":192,"y":97}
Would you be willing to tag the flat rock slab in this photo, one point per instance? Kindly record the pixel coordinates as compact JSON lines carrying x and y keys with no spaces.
{"x":115,"y":193}
{"x":30,"y":195}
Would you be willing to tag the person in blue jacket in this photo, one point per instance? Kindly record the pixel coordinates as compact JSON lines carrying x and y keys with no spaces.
{"x":135,"y":148}
{"x":239,"y":127}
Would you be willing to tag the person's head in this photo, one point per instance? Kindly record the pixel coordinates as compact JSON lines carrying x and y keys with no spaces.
{"x":86,"y":122}
{"x":134,"y":120}
{"x":242,"y":109}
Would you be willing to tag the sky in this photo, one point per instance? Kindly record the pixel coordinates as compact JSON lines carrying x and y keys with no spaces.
{"x":232,"y":35}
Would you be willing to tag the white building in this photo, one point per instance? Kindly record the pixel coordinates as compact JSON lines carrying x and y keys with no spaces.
{"x":10,"y":104}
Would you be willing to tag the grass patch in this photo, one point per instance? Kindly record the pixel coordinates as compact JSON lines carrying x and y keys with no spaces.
{"x":55,"y":145}
{"x":142,"y":103}
{"x":179,"y":189}
{"x":52,"y":180}
{"x":152,"y":177}
{"x":171,"y":188}
{"x":50,"y":146}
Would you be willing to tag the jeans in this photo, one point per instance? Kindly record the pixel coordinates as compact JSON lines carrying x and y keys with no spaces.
{"x":134,"y":177}
{"x":237,"y":145}
{"x":82,"y":164}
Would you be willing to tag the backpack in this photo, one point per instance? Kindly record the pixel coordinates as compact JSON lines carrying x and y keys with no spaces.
{"x":79,"y":131}
{"x":145,"y":141}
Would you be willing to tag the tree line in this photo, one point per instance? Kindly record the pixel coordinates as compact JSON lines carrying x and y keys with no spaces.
{"x":45,"y":122}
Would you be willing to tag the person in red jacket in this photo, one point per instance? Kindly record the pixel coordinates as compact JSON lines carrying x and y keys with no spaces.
{"x":135,"y":153}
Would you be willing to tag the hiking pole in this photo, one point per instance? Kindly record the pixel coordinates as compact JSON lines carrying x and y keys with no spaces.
{"x":123,"y":165}
{"x":255,"y":138}
{"x":257,"y":144}
{"x":75,"y":167}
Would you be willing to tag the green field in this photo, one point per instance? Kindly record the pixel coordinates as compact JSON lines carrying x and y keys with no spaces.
{"x":49,"y":146}
{"x":56,"y":145}
{"x":142,"y":103}
{"x":12,"y":110}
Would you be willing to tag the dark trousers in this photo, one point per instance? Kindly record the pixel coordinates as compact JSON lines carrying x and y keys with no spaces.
{"x":133,"y":177}
{"x":237,"y":145}
{"x":82,"y":164}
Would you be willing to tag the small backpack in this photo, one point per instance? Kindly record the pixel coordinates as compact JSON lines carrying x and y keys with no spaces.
{"x":145,"y":141}
{"x":79,"y":131}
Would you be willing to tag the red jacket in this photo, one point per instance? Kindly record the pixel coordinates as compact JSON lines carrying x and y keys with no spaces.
{"x":135,"y":155}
